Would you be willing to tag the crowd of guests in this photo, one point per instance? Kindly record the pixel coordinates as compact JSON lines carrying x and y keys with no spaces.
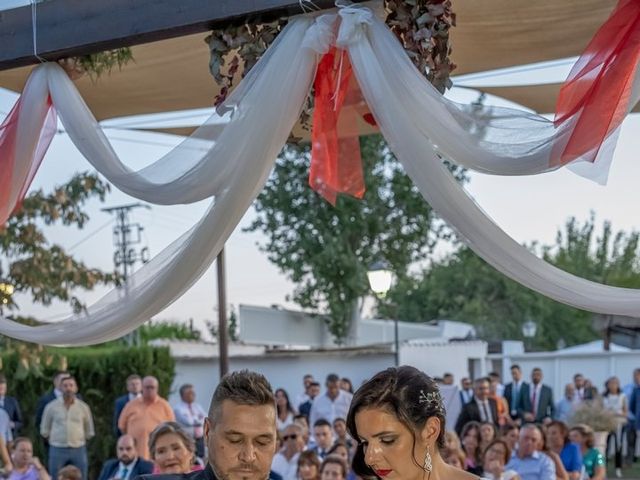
{"x":152,"y":435}
{"x":513,"y":431}
{"x":518,"y":431}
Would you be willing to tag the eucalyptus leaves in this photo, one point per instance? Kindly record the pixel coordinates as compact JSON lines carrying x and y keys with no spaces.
{"x":421,"y":25}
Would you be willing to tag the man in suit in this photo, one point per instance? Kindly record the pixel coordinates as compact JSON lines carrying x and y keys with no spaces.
{"x":513,"y":392}
{"x":466,"y":391}
{"x":11,"y":406}
{"x":134,"y":390}
{"x":538,"y":400}
{"x":480,"y":409}
{"x":128,"y":465}
{"x":240,"y":430}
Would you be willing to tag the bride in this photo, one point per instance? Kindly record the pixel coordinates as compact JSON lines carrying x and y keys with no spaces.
{"x":398,"y":420}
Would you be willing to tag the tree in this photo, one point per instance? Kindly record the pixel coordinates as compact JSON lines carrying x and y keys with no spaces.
{"x":464,"y":287}
{"x":326,"y":251}
{"x":31,"y":263}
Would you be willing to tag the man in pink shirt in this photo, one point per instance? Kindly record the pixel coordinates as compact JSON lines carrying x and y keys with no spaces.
{"x":141,"y":415}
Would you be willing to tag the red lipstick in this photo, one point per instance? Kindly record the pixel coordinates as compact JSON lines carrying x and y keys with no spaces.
{"x":383,"y":473}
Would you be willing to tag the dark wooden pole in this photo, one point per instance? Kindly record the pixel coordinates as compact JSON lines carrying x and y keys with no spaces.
{"x":223,"y":330}
{"x":78,"y":27}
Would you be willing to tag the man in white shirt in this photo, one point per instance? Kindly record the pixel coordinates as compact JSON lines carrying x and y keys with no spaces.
{"x":334,"y":403}
{"x":285,"y":462}
{"x":190,"y":415}
{"x":304,"y":396}
{"x":128,"y":465}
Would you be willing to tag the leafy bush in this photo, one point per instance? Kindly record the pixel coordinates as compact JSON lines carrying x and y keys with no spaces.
{"x":101,"y":373}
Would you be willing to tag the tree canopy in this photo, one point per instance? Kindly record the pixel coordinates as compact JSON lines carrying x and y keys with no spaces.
{"x":326,"y":251}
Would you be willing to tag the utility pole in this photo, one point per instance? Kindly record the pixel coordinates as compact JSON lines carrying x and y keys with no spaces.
{"x":223,"y":331}
{"x":125,"y":236}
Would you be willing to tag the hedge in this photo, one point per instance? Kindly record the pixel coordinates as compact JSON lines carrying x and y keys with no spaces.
{"x":101,"y":375}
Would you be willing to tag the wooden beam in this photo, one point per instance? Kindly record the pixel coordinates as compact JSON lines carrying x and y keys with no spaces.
{"x":78,"y":27}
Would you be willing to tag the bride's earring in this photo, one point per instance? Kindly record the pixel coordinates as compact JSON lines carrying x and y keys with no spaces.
{"x":428,"y":466}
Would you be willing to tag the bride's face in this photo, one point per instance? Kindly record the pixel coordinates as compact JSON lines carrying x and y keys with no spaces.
{"x":388,"y":445}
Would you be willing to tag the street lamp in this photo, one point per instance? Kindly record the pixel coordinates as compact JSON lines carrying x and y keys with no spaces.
{"x":529,"y":329}
{"x":380,"y":277}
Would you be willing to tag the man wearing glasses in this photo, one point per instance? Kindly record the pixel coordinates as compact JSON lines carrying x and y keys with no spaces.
{"x":285,"y":462}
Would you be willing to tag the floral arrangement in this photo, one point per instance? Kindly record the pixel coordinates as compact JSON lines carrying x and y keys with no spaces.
{"x":593,"y":413}
{"x":421,"y":25}
{"x":96,"y":64}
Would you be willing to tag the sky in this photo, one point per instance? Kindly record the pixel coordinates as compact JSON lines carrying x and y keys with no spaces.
{"x":528,"y":208}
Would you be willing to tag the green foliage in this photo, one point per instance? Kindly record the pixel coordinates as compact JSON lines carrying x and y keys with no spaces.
{"x":96,"y":64}
{"x":166,"y":329}
{"x":101,"y":374}
{"x":326,"y":251}
{"x":36,"y":266}
{"x":464,"y":287}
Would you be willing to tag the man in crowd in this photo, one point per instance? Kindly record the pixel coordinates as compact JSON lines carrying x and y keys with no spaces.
{"x":190,"y":415}
{"x":285,"y":462}
{"x":303,"y":397}
{"x":67,"y":424}
{"x":632,"y":451}
{"x":314,"y":391}
{"x":134,"y":390}
{"x":11,"y":406}
{"x":323,"y":435}
{"x":466,"y":390}
{"x":481,"y":408}
{"x":141,"y":415}
{"x":539,"y":407}
{"x":332,"y":404}
{"x":51,"y":395}
{"x":127,"y":465}
{"x":447,"y":379}
{"x":530,"y":463}
{"x":514,"y":391}
{"x":581,"y":393}
{"x":341,"y":434}
{"x":494,"y":378}
{"x":567,"y":404}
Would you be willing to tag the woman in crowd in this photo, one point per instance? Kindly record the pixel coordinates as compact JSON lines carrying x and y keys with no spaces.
{"x":454,"y":457}
{"x":488,"y":434}
{"x":592,"y":459}
{"x":341,"y":450}
{"x":616,"y":401}
{"x":398,"y":420}
{"x":561,"y":473}
{"x":308,"y":466}
{"x":333,"y":468}
{"x":172,"y":449}
{"x":285,"y":410}
{"x":471,"y":445}
{"x":558,"y":442}
{"x":511,"y":434}
{"x":451,"y":441}
{"x":494,"y":459}
{"x":25,"y":465}
{"x":345,"y":384}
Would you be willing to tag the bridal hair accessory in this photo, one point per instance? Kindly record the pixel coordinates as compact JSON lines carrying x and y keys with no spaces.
{"x":434,"y":401}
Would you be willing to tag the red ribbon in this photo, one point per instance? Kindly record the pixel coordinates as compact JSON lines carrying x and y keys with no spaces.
{"x":336,"y":164}
{"x":599,"y":86}
{"x":8,"y":160}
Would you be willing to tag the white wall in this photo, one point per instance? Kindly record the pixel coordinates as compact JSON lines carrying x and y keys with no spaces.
{"x":282,"y":371}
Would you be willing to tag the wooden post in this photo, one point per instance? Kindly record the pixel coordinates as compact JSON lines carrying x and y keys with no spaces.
{"x":223,"y":331}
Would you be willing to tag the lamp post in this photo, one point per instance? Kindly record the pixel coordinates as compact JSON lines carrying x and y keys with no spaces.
{"x":529,"y":329}
{"x":380,"y":277}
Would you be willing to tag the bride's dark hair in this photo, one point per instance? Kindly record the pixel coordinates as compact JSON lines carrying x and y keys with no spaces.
{"x":405,"y":392}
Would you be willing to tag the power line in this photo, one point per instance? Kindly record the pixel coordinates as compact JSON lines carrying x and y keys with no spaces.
{"x":105,"y":225}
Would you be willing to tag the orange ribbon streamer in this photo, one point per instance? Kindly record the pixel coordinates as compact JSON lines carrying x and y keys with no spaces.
{"x":336,"y":163}
{"x":599,"y":86}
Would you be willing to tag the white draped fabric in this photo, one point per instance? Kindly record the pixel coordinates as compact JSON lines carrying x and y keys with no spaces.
{"x":419,"y":124}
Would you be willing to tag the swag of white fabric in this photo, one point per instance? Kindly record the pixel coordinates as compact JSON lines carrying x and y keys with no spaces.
{"x":419,"y":124}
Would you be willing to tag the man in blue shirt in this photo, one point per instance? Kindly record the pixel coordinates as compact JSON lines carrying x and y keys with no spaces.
{"x":530,"y":463}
